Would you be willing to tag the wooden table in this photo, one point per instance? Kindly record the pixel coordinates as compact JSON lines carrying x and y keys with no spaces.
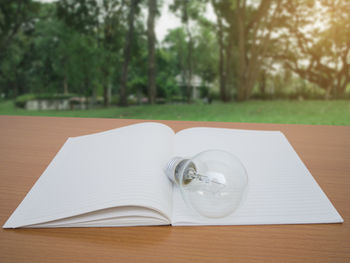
{"x":27,"y":145}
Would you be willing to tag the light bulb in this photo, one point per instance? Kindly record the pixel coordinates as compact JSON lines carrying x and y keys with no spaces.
{"x":212,"y":183}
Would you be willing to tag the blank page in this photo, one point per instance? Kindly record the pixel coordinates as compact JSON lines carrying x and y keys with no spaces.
{"x":116,"y":168}
{"x":114,"y":215}
{"x":281,"y":190}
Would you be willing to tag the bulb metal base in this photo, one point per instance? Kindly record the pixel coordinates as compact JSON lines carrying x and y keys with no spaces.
{"x":172,"y":167}
{"x":175,"y":166}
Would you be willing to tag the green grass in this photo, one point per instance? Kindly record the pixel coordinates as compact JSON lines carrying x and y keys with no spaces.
{"x":301,"y":112}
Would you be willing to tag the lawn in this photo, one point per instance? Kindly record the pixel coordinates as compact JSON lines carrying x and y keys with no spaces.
{"x":279,"y":111}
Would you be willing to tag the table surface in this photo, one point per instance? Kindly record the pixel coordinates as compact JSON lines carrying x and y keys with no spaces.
{"x":28,"y":144}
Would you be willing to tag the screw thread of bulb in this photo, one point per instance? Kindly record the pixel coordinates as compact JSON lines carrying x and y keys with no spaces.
{"x":171,"y":168}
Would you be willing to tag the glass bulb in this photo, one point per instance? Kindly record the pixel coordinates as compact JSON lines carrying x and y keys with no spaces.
{"x":212,"y":182}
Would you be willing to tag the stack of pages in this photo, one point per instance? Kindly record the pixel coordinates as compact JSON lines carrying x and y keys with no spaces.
{"x":116,"y":178}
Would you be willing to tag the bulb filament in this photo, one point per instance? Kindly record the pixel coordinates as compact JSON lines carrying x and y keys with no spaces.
{"x":193,"y":175}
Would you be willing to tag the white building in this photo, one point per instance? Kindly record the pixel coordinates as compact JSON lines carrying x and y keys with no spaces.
{"x":196,"y":82}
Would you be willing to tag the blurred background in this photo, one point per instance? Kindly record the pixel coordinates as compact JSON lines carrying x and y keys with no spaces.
{"x":277,"y":61}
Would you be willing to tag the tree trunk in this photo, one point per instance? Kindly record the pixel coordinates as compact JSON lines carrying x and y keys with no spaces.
{"x":228,"y":70}
{"x":222,"y":75}
{"x":94,"y":92}
{"x":106,"y":93}
{"x":241,"y":87}
{"x":65,"y":85}
{"x":15,"y":89}
{"x":189,"y":52}
{"x":152,"y":9}
{"x":262,"y":84}
{"x":106,"y":83}
{"x":251,"y":51}
{"x":127,"y":53}
{"x":189,"y":68}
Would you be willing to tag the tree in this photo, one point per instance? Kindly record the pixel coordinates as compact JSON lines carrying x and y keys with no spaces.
{"x":83,"y":17}
{"x":64,"y":60}
{"x":133,"y":6}
{"x":315,"y":43}
{"x":205,"y":42}
{"x":111,"y":14}
{"x":188,"y":11}
{"x":152,"y":10}
{"x":225,"y":47}
{"x":254,"y":26}
{"x":175,"y":54}
{"x":14,"y":66}
{"x":16,"y":18}
{"x":249,"y":25}
{"x":104,"y":21}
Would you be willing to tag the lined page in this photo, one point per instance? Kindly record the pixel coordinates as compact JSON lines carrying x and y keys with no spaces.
{"x":281,"y":190}
{"x":120,"y":167}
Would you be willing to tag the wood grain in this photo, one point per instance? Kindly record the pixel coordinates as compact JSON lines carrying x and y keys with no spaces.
{"x":27,"y":145}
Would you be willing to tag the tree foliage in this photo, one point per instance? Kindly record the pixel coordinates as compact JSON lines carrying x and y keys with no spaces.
{"x":314,"y":42}
{"x":110,"y":47}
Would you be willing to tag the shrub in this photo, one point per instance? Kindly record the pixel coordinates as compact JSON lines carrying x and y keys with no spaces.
{"x":214,"y":94}
{"x":115,"y":99}
{"x":23,"y":99}
{"x":132,"y":100}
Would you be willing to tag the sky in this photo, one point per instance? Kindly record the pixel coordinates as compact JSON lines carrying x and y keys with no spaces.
{"x":167,"y":19}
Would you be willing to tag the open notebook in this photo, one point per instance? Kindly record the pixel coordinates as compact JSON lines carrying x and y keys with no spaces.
{"x":116,"y":178}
